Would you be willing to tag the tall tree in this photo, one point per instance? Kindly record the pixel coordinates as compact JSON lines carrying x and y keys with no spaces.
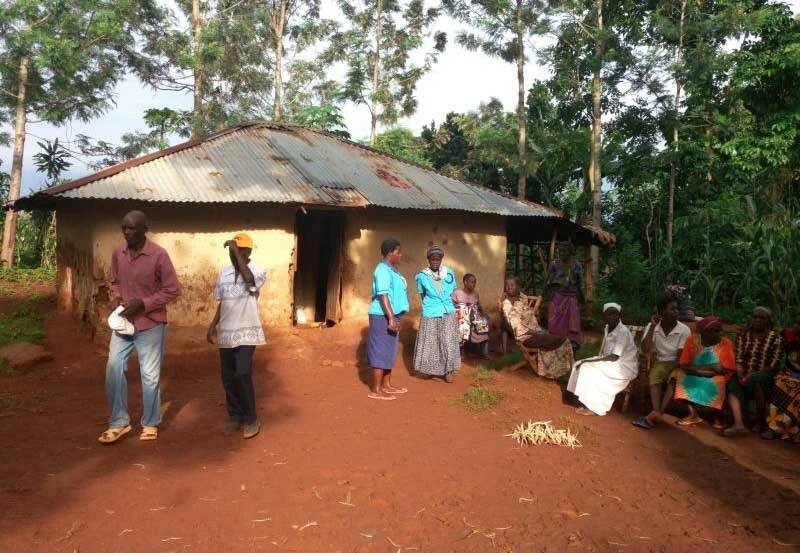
{"x":61,"y":60}
{"x":504,"y":27}
{"x":596,"y":41}
{"x":294,"y":27}
{"x":378,"y":49}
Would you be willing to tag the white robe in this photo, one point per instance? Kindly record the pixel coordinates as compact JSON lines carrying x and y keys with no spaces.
{"x":597,"y":383}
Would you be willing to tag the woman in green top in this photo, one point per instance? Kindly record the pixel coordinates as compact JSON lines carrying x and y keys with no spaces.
{"x":437,"y":351}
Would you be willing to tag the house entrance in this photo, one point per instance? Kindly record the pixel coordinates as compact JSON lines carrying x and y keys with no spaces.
{"x":318,"y":278}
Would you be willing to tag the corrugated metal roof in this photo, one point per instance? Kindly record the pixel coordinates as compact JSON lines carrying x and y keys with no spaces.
{"x":264,"y":162}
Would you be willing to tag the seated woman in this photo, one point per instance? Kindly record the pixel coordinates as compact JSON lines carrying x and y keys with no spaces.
{"x":597,"y":380}
{"x":664,"y":337}
{"x":473,"y":325}
{"x":554,"y":352}
{"x":705,"y":366}
{"x":758,"y":357}
{"x":783,"y":412}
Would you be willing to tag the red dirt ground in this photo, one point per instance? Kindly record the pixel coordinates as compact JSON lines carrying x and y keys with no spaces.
{"x":333,"y":471}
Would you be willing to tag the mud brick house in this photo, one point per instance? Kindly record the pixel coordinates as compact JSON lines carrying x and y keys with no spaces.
{"x":317,"y":207}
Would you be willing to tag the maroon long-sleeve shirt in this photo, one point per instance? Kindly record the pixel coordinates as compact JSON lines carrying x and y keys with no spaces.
{"x":148,"y":276}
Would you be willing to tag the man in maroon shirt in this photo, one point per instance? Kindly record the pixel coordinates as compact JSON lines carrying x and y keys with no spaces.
{"x":143,"y":281}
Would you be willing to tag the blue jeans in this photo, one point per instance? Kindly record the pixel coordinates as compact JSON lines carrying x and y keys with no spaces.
{"x":149,"y":346}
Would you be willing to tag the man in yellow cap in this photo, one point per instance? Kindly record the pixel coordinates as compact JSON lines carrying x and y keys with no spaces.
{"x":238,"y":330}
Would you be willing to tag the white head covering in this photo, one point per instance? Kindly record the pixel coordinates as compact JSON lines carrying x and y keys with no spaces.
{"x":120,"y":324}
{"x":612,"y":305}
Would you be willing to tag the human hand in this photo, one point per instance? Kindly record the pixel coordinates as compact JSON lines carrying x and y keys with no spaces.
{"x":114,"y":303}
{"x":394,"y":325}
{"x":210,"y":335}
{"x":655,"y":319}
{"x":132,"y":307}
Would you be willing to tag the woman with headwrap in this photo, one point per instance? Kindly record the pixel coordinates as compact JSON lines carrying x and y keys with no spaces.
{"x":783,"y":413}
{"x":758,"y":357}
{"x":437,"y":351}
{"x":597,"y":380}
{"x":554,"y":353}
{"x":706,"y":364}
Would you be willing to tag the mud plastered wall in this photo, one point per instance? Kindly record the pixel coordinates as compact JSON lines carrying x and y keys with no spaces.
{"x":193,"y":235}
{"x":473,"y":243}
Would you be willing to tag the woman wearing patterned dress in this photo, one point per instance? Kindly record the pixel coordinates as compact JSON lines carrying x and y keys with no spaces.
{"x":706,"y":364}
{"x":758,"y":356}
{"x":554,"y":353}
{"x":437,"y":351}
{"x":783,"y":412}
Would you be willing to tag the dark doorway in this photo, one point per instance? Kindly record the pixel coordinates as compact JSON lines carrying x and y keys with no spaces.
{"x":318,"y":279}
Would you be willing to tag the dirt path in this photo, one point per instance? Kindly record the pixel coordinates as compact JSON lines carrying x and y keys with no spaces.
{"x":335,"y":471}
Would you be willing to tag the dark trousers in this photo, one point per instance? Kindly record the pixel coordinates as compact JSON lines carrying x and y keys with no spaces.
{"x":237,"y":379}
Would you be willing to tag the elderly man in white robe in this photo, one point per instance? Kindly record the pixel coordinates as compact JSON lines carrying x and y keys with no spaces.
{"x":597,"y":380}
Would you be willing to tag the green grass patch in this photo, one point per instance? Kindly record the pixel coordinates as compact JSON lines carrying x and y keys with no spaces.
{"x":6,"y":369}
{"x":23,"y":325}
{"x":478,"y":398}
{"x":589,"y":348}
{"x":28,"y":276}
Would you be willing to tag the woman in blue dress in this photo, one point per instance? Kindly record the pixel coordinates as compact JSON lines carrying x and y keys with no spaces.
{"x":437,"y":351}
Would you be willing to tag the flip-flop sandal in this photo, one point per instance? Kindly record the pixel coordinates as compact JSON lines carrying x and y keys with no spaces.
{"x":111,"y":435}
{"x":642,"y":422}
{"x":381,"y":397}
{"x":585,"y":412}
{"x":689,"y":422}
{"x":733,"y":432}
{"x":397,"y":391}
{"x":149,"y":433}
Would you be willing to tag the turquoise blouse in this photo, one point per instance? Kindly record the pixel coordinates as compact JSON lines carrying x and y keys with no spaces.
{"x":388,"y":280}
{"x":437,"y":301}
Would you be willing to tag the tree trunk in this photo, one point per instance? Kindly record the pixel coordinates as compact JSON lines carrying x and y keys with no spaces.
{"x":20,"y":120}
{"x":675,"y":131}
{"x":197,"y":109}
{"x":521,"y":142}
{"x":376,"y":75}
{"x":279,"y":23}
{"x":595,"y":174}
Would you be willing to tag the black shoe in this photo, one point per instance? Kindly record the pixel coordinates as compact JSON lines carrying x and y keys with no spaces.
{"x":252,"y":430}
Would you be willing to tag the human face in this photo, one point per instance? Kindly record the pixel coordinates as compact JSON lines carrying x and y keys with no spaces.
{"x":511,"y":287}
{"x":434,"y":262}
{"x":133,"y":230}
{"x":611,"y":318}
{"x":394,"y":256}
{"x":469,"y":284}
{"x":712,"y":335}
{"x":760,"y":320}
{"x":670,"y":313}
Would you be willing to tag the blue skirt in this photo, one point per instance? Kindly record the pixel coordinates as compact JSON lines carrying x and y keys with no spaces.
{"x":382,"y":343}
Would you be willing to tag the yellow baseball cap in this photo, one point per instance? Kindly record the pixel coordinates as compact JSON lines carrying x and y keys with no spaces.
{"x":243,"y":240}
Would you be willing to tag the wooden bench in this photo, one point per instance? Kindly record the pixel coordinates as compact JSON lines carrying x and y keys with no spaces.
{"x":645,"y":363}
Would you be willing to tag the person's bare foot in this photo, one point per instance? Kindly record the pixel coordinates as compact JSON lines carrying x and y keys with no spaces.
{"x":585,"y":412}
{"x":449,"y":377}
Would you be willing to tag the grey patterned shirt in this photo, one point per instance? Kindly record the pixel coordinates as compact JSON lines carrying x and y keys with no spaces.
{"x":239,"y":322}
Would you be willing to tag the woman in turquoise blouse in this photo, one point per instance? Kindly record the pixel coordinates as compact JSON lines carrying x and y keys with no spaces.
{"x":437,"y":351}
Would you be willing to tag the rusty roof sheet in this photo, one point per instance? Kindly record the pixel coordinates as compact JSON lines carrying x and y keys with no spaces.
{"x":263,"y":162}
